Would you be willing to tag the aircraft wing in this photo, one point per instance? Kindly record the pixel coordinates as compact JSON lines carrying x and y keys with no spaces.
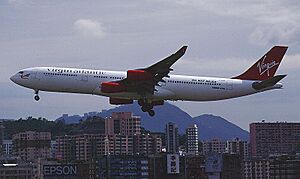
{"x":162,"y":68}
{"x":143,"y":81}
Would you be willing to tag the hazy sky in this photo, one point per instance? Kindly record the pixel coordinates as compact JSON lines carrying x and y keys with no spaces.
{"x":224,"y":39}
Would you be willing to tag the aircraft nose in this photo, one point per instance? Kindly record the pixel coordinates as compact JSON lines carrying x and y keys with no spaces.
{"x":13,"y":78}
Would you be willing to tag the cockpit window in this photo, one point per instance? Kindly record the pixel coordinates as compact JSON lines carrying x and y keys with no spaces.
{"x":21,"y":72}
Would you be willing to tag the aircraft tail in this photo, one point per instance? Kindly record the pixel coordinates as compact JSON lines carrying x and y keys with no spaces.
{"x":266,"y":67}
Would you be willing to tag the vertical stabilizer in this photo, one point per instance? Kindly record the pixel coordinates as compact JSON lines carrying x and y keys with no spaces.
{"x":266,"y":67}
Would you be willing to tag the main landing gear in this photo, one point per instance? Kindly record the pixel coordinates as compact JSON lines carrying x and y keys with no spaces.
{"x":146,"y":107}
{"x":36,"y":97}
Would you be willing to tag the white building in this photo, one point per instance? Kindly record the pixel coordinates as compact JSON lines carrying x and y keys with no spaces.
{"x":192,"y":139}
{"x":239,"y":147}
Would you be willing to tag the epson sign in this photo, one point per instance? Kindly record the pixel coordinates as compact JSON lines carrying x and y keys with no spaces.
{"x":59,"y":170}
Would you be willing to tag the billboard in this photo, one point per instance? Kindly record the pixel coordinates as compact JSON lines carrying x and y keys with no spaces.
{"x":173,"y":163}
{"x":60,"y":170}
{"x":65,"y":171}
{"x":213,"y":162}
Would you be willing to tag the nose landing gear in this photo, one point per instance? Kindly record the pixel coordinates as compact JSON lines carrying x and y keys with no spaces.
{"x":36,"y":97}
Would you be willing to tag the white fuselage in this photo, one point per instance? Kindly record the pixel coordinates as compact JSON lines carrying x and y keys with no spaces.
{"x":176,"y":87}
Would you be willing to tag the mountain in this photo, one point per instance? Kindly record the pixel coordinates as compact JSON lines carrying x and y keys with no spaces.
{"x":209,"y":126}
{"x":69,"y":119}
{"x":163,"y":114}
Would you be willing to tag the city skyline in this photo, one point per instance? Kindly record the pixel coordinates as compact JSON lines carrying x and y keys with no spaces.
{"x":118,"y":36}
{"x":122,"y":149}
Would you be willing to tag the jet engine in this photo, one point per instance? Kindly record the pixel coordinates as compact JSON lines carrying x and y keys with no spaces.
{"x":118,"y":101}
{"x":112,"y":87}
{"x":139,"y":75}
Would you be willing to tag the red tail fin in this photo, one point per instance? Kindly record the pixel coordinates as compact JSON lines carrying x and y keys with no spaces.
{"x":266,"y":66}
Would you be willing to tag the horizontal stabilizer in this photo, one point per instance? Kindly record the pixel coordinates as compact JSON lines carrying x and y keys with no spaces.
{"x":267,"y":83}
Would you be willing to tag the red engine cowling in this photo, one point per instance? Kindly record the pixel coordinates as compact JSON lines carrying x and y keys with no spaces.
{"x":139,"y":75}
{"x":112,"y":87}
{"x":118,"y":101}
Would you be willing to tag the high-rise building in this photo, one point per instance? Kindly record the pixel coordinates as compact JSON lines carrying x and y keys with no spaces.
{"x":66,"y":148}
{"x":123,"y":123}
{"x":275,"y":166}
{"x":172,"y":139}
{"x":7,"y":147}
{"x":122,"y":136}
{"x":192,"y":139}
{"x":257,"y":168}
{"x":285,"y":166}
{"x":274,"y":138}
{"x":237,"y":146}
{"x":87,"y":146}
{"x":147,"y":144}
{"x":31,"y":145}
{"x":214,"y":145}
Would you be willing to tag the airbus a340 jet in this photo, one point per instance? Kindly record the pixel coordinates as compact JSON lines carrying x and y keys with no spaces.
{"x":153,"y":85}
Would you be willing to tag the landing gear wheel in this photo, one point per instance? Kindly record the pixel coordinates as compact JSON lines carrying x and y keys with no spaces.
{"x":147,"y":107}
{"x":36,"y":97}
{"x":144,"y":109}
{"x":151,"y":112}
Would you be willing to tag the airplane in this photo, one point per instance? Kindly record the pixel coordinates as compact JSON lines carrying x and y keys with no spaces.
{"x":153,"y":85}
